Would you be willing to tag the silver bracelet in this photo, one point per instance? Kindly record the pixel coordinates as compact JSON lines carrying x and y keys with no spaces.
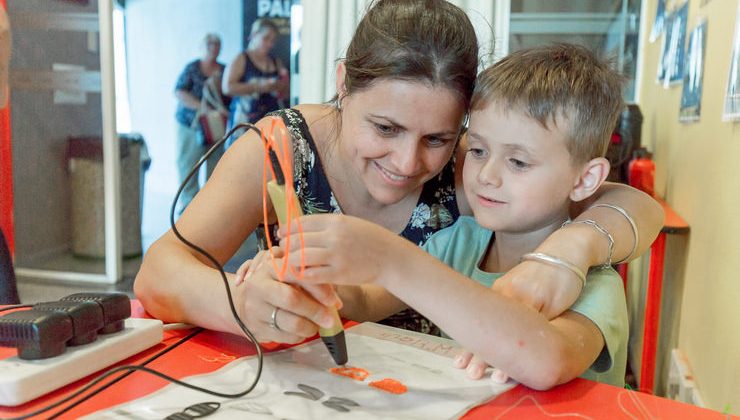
{"x":538,"y":256}
{"x":626,"y":215}
{"x":598,"y":227}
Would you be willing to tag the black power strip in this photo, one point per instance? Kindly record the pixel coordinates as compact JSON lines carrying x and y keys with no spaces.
{"x":47,"y":328}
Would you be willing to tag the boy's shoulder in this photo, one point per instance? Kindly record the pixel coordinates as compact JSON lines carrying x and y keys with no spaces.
{"x":464,"y":236}
{"x":463,"y":226}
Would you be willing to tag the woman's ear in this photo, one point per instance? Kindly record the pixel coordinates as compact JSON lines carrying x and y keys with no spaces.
{"x":592,"y":175}
{"x":341,"y":86}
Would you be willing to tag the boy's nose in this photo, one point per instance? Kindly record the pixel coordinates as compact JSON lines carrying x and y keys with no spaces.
{"x":490,"y":174}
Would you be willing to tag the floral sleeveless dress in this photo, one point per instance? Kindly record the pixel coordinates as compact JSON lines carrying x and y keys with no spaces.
{"x":436,"y":208}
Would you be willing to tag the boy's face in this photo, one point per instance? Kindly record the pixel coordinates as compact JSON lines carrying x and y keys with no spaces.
{"x":517,"y":175}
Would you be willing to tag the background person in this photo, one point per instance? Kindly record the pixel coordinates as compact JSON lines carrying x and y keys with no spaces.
{"x":256,"y":79}
{"x":189,"y":93}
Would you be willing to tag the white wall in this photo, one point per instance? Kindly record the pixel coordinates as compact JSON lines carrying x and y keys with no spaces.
{"x":162,"y":36}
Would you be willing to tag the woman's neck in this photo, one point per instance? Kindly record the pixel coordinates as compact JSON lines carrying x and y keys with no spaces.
{"x":257,"y":53}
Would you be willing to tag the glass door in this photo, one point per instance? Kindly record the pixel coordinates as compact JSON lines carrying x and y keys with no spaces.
{"x":66,"y":156}
{"x":610,"y":28}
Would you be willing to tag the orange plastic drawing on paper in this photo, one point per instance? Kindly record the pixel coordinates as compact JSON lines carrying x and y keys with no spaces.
{"x":358,"y":374}
{"x":390,"y":385}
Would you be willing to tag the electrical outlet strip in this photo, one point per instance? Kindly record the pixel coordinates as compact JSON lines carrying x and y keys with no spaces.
{"x":23,"y":380}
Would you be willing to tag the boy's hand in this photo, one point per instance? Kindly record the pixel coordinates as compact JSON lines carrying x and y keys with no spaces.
{"x":547,"y":289}
{"x":475,"y":367}
{"x":342,"y":249}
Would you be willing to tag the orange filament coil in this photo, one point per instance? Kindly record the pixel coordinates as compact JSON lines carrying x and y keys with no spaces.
{"x":278,"y":136}
{"x":358,"y":374}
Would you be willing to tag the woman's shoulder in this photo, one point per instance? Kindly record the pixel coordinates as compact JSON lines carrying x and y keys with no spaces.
{"x":318,"y":119}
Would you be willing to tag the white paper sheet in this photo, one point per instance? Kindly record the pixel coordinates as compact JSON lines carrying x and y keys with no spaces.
{"x":296,"y":383}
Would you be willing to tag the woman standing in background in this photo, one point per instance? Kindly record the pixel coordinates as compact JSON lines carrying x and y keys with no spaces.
{"x":256,"y":79}
{"x":189,"y":93}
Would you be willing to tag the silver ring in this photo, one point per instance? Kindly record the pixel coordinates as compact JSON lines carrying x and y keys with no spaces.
{"x":273,"y":319}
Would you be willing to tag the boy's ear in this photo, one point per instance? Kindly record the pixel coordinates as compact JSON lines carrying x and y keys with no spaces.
{"x":593,"y":174}
{"x":341,"y":87}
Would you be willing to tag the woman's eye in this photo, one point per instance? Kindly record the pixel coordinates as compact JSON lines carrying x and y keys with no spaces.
{"x":436,"y":141}
{"x":518,"y":164}
{"x":385,"y":130}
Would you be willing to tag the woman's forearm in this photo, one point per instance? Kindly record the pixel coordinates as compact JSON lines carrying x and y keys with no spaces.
{"x":244,"y":88}
{"x":368,"y":302}
{"x":646,"y":213}
{"x":187,"y":99}
{"x":174,"y":286}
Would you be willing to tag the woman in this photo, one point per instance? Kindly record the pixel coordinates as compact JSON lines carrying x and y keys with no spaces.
{"x":383,"y":152}
{"x":189,"y":92}
{"x":256,"y":79}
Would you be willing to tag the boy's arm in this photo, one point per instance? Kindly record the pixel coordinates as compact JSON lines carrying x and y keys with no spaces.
{"x":505,"y":333}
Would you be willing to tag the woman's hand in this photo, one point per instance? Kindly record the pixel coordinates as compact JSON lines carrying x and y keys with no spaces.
{"x":547,"y":289}
{"x":300,"y":311}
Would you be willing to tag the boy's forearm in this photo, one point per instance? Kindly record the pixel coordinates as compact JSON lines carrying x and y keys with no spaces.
{"x":505,"y":333}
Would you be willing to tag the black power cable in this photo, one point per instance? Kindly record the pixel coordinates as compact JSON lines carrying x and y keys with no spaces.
{"x":132,"y":368}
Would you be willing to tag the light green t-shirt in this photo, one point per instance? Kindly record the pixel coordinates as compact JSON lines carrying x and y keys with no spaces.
{"x":463,"y":245}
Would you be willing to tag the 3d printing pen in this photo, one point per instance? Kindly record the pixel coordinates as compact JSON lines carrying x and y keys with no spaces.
{"x":333,"y":337}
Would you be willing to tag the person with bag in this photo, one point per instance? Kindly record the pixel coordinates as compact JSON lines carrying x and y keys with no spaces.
{"x":256,"y":79}
{"x":201,"y":115}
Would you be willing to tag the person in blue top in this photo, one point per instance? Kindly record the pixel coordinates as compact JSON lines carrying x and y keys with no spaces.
{"x":540,"y":123}
{"x":256,"y":79}
{"x":386,"y":150}
{"x":189,"y":93}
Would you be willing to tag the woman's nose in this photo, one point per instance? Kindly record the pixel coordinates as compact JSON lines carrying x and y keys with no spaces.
{"x":407,"y":160}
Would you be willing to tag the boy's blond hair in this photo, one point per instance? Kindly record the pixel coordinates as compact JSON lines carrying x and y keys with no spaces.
{"x":553,"y":82}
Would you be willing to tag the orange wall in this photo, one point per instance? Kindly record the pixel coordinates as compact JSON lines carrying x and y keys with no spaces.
{"x":6,"y":172}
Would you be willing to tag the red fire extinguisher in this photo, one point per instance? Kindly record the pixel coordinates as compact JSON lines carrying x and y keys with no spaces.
{"x":641,"y":171}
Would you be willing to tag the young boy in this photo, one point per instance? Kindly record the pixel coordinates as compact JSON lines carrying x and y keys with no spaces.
{"x":539,"y":127}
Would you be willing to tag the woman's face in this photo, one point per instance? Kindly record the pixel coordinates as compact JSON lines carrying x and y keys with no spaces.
{"x":213,"y":48}
{"x":264,"y":40}
{"x":396,"y":135}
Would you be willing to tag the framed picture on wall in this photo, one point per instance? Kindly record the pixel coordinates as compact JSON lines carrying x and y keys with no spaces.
{"x":659,"y":21}
{"x":732,"y":94}
{"x":671,"y":64}
{"x":693,"y":74}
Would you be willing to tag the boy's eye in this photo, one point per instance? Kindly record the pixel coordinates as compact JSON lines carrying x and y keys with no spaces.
{"x":476,"y":152}
{"x":518,"y":164}
{"x":385,"y":130}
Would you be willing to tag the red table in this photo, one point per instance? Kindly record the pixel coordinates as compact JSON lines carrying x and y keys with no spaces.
{"x":210,"y":350}
{"x":673,"y":224}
